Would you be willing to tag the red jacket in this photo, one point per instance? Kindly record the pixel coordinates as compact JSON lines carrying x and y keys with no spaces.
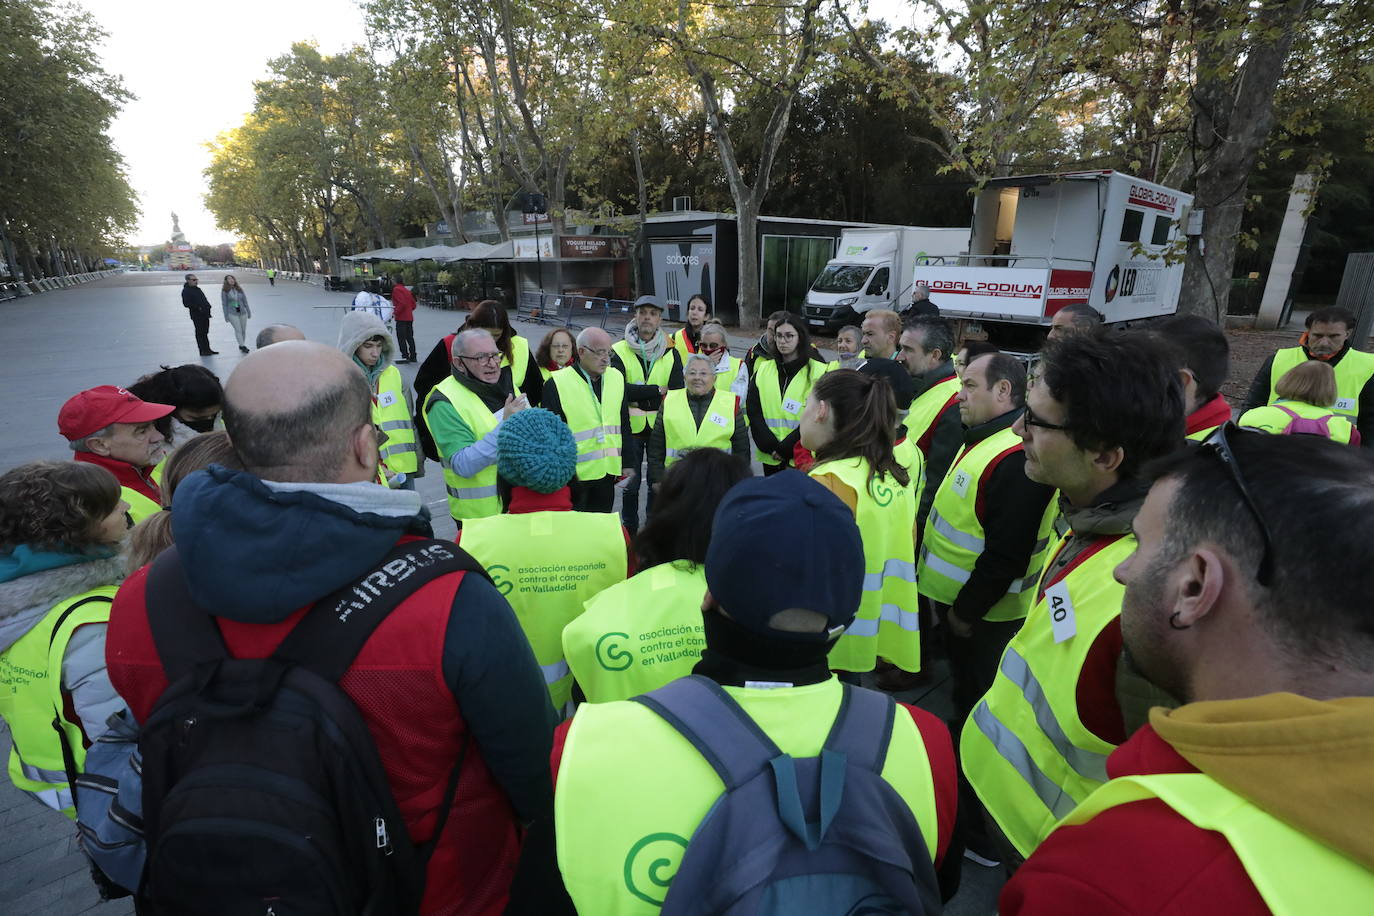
{"x":1137,"y":858}
{"x":402,"y":303}
{"x":135,"y":479}
{"x":398,"y":685}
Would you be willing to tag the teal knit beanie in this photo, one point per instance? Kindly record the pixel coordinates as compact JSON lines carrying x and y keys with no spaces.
{"x":535,"y":449}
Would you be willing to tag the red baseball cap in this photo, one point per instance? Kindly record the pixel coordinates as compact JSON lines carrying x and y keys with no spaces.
{"x":96,"y":408}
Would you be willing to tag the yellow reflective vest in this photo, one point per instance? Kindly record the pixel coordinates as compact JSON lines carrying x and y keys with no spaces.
{"x":140,"y":506}
{"x":928,"y":407}
{"x":680,"y":430}
{"x":595,"y":422}
{"x":548,"y":565}
{"x":519,"y":361}
{"x":726,"y":379}
{"x":1024,"y":749}
{"x":887,"y":624}
{"x":659,"y":374}
{"x":1353,"y":372}
{"x":631,"y":791}
{"x":638,"y":635}
{"x":1271,"y":419}
{"x":468,"y":497}
{"x":953,"y":539}
{"x":782,"y":410}
{"x":1294,"y":873}
{"x":399,"y":450}
{"x":32,"y":698}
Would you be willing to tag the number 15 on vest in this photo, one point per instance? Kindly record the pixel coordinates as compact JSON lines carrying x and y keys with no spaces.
{"x":1061,"y":612}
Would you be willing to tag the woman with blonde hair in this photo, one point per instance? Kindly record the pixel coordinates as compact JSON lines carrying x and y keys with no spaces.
{"x":154,"y":534}
{"x":1303,"y":398}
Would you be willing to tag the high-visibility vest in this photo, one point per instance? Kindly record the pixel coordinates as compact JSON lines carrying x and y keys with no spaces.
{"x":632,"y":791}
{"x":399,"y":450}
{"x":680,"y":342}
{"x":887,"y":624}
{"x":640,"y":634}
{"x":140,"y":506}
{"x":1271,"y":419}
{"x":519,"y":361}
{"x":927,"y":409}
{"x":595,"y":423}
{"x":911,"y":458}
{"x":1024,"y":749}
{"x":659,"y":374}
{"x":468,"y":497}
{"x":680,"y":430}
{"x":1353,"y":372}
{"x":725,"y":380}
{"x":782,"y":410}
{"x":953,"y":539}
{"x":548,"y":565}
{"x":32,"y":698}
{"x":1294,"y":873}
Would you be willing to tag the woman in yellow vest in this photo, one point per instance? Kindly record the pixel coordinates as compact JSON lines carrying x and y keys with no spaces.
{"x":686,"y":340}
{"x":778,"y":391}
{"x":639,"y":635}
{"x":556,"y":351}
{"x":363,"y":337}
{"x":516,"y":356}
{"x":731,"y":373}
{"x":1306,"y":392}
{"x":60,"y":527}
{"x":850,"y":425}
{"x":698,"y":416}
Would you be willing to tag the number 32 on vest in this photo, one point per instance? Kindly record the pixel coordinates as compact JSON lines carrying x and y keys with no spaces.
{"x":1061,"y":612}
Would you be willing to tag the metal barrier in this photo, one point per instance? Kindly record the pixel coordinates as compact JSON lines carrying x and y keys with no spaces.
{"x":619,"y":312}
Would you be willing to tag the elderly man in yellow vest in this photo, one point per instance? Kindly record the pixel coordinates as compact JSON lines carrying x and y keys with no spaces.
{"x":1099,"y":407}
{"x":112,"y":428}
{"x":1254,"y":611}
{"x":698,"y":416}
{"x":926,"y":349}
{"x":590,"y":396}
{"x":464,"y":413}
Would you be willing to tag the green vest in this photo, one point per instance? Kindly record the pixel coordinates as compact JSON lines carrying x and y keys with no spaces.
{"x":928,"y":407}
{"x":631,"y":791}
{"x":1354,"y":370}
{"x":548,"y":564}
{"x":887,"y":624}
{"x":1270,"y":419}
{"x":680,"y":430}
{"x":659,"y":374}
{"x":595,"y":424}
{"x":782,"y":410}
{"x":953,"y":538}
{"x":519,"y":361}
{"x":1293,"y":872}
{"x":399,"y":451}
{"x":1024,"y":749}
{"x":140,"y":506}
{"x":640,"y":634}
{"x":31,"y":673}
{"x":468,"y":497}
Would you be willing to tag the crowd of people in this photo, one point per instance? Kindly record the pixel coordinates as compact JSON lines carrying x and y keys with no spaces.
{"x":1153,"y":617}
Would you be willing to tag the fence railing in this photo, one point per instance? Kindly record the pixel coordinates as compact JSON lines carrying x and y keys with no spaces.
{"x":574,"y":311}
{"x":19,"y":288}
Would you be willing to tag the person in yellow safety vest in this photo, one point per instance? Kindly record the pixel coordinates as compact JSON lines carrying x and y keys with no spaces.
{"x":114,"y":429}
{"x":1252,"y":609}
{"x":464,"y":412}
{"x":698,"y":416}
{"x":516,"y":356}
{"x":989,"y":528}
{"x":778,"y":391}
{"x":731,"y":373}
{"x":849,"y":346}
{"x":1328,"y":339}
{"x":925,"y":348}
{"x":850,"y":425}
{"x":639,"y":635}
{"x":61,"y":524}
{"x":364,"y":338}
{"x":767,"y":640}
{"x":1205,"y":355}
{"x":652,"y":367}
{"x":1305,"y":393}
{"x":1099,"y":406}
{"x":686,"y":340}
{"x":198,"y":397}
{"x":547,"y":559}
{"x":590,"y":396}
{"x":558,"y":350}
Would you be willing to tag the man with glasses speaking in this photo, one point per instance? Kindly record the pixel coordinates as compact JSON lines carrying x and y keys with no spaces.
{"x":1099,"y":406}
{"x":463,"y":413}
{"x":193,"y":300}
{"x":590,"y":397}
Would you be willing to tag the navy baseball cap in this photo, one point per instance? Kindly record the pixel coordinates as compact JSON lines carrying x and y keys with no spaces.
{"x":785,"y":542}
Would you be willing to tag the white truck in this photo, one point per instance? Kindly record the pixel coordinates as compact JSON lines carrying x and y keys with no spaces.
{"x":1040,"y":242}
{"x":873,"y":269}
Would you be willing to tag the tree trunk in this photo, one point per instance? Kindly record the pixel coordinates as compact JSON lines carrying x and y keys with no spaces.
{"x":642,"y":201}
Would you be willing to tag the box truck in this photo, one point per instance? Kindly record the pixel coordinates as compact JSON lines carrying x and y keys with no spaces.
{"x":872,"y":268}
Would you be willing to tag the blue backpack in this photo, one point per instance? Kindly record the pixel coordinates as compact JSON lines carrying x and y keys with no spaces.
{"x":818,"y":835}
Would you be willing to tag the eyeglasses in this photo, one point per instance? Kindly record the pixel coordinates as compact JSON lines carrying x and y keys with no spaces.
{"x":1218,"y":445}
{"x":785,"y":337}
{"x":599,"y":354}
{"x":489,"y":359}
{"x":1032,"y":420}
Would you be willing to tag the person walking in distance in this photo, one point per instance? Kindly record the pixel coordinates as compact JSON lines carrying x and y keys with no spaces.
{"x":234,"y":302}
{"x":271,"y":276}
{"x":194,"y":301}
{"x":403,"y":305}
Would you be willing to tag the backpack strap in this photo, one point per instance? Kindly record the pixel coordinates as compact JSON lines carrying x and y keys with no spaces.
{"x":863,"y":728}
{"x":184,"y":635}
{"x":715,"y":725}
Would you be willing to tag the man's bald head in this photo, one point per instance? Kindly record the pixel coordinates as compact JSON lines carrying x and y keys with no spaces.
{"x":594,"y":350}
{"x":295,"y":410}
{"x":277,"y":333}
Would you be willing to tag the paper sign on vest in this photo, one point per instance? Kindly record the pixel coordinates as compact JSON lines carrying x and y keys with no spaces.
{"x":386,"y":398}
{"x":1061,"y":611}
{"x":718,"y":420}
{"x":960,"y":480}
{"x":1345,"y":403}
{"x":791,"y":406}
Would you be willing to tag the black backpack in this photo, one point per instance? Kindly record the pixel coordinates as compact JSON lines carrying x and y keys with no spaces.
{"x":263,"y":792}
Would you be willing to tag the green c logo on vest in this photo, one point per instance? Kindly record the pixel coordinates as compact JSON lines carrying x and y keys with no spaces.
{"x":504,"y":586}
{"x":882,"y":494}
{"x":647,"y":862}
{"x":612,"y":657}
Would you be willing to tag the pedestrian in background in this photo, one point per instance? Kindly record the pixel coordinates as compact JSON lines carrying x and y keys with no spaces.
{"x":234,"y":301}
{"x":271,"y":276}
{"x":686,"y":340}
{"x":403,"y":306}
{"x":194,"y":301}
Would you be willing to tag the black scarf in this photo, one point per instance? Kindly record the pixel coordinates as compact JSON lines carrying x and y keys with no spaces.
{"x":493,"y":394}
{"x":734,"y":655}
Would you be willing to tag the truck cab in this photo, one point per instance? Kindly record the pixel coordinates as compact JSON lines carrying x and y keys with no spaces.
{"x":872,"y":270}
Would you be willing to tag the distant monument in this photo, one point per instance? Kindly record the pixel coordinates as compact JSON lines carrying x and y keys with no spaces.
{"x":179,"y":254}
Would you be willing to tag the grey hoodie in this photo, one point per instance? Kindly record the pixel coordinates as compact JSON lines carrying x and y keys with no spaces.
{"x":356,"y":328}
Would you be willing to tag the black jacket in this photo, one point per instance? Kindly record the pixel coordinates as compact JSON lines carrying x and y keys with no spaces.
{"x":646,"y":396}
{"x":193,"y":298}
{"x":758,"y":426}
